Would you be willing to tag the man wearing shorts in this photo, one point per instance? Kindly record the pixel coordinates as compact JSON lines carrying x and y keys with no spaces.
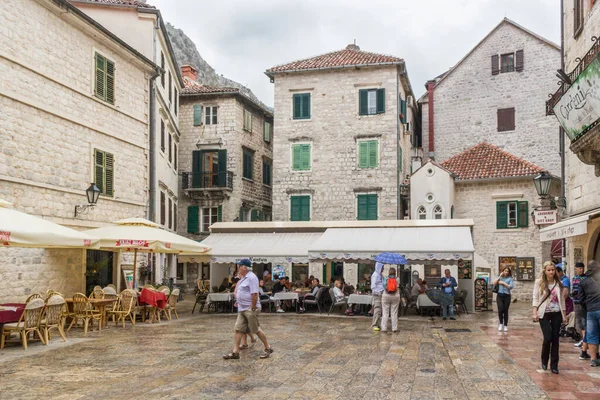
{"x":590,"y":299}
{"x":580,"y":315}
{"x":248,"y":305}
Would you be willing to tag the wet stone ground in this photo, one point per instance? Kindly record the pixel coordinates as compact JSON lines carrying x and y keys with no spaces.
{"x":316,"y":357}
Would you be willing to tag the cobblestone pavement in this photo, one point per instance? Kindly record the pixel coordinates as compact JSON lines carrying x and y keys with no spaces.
{"x":316,"y":357}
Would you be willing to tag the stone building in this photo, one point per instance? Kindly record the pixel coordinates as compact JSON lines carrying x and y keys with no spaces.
{"x":496,"y":190}
{"x":226,"y":162}
{"x":73,"y":110}
{"x":142,"y":26}
{"x":344,"y":123}
{"x":578,"y":114}
{"x":495,"y":93}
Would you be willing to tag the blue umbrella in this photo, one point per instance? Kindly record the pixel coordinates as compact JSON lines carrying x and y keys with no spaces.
{"x":391,"y":258}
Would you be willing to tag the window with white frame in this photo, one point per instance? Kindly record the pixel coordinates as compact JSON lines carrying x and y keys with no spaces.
{"x":421,"y":213}
{"x":209,"y":217}
{"x":438,"y":213}
{"x":210,"y":117}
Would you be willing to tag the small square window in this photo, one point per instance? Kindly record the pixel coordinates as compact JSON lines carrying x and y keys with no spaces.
{"x":210,"y":117}
{"x":507,"y":62}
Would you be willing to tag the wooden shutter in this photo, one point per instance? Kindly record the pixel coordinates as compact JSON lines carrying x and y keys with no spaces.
{"x":100,"y":86}
{"x":99,"y":170}
{"x":176,"y":100}
{"x":162,"y":66}
{"x":506,"y":119}
{"x":305,"y":157}
{"x":403,"y":119}
{"x":170,"y":213}
{"x":175,"y":161}
{"x":296,"y":156}
{"x":110,"y":82}
{"x":495,"y":64}
{"x":501,"y":215}
{"x":520,"y":60}
{"x":305,"y":208}
{"x":197,"y":115}
{"x":363,"y":155}
{"x":297,"y":106}
{"x":363,"y":102}
{"x":170,"y":147}
{"x":295,"y":208}
{"x":254,"y":215}
{"x":222,"y":164}
{"x":578,"y":17}
{"x":193,"y":219}
{"x":163,"y":213}
{"x":109,"y":173}
{"x":373,"y":156}
{"x":242,"y":215}
{"x":380,"y":101}
{"x":175,"y":216}
{"x":362,"y":207}
{"x":170,"y":86}
{"x":162,"y":135}
{"x":197,"y":169}
{"x":372,"y":206}
{"x":220,"y":213}
{"x":523,"y":214}
{"x":306,"y":105}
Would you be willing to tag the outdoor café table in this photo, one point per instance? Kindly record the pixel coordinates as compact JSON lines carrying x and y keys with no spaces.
{"x":362,"y":299}
{"x":10,"y":312}
{"x":287,"y":296}
{"x":100,"y":304}
{"x":156,"y":300}
{"x":423,"y":301}
{"x":219,"y":298}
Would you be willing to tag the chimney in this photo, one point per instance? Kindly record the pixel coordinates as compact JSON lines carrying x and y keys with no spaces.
{"x":353,"y":47}
{"x":189,"y":71}
{"x":430,"y":87}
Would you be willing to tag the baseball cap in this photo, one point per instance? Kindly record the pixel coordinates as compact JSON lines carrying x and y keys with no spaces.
{"x":579,"y":265}
{"x":245,"y":261}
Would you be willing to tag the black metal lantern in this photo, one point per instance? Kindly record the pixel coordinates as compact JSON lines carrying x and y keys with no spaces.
{"x":92,"y":193}
{"x":542,"y":184}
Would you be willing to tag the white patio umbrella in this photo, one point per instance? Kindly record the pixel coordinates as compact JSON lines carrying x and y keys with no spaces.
{"x":19,"y":229}
{"x":139,"y":234}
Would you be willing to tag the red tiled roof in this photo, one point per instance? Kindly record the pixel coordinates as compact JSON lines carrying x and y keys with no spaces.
{"x":350,"y":56}
{"x":133,"y":3}
{"x":486,"y":161}
{"x":192,"y":87}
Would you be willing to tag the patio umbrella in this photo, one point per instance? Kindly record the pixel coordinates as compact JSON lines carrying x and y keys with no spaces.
{"x":19,"y":229}
{"x":139,"y":234}
{"x":391,"y":258}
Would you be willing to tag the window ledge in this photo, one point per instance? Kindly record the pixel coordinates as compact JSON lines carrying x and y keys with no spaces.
{"x":507,"y":195}
{"x":300,"y":171}
{"x":300,"y":139}
{"x":367,"y":136}
{"x":301,"y":119}
{"x":247,"y":179}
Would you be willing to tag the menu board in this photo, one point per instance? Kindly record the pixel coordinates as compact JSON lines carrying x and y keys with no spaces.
{"x":465,"y":269}
{"x":128,"y":277}
{"x":525,"y":268}
{"x":507,"y":262}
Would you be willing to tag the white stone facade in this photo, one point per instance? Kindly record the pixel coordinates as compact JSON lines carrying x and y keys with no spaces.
{"x":334,"y":130}
{"x":467,"y":98}
{"x":431,"y":186}
{"x":51,"y":124}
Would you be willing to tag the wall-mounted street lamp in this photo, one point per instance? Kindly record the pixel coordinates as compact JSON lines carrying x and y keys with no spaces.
{"x":92,"y":193}
{"x":542,"y":184}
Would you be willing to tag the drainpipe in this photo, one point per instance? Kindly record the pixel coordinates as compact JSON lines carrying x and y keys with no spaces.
{"x":561,"y":133}
{"x":398,"y":166}
{"x":152,"y":144}
{"x":430,"y":86}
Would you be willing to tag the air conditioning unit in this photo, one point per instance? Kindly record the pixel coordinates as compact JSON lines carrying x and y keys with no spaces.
{"x":410,"y":101}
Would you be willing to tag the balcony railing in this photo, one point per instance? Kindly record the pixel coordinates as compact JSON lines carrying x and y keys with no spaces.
{"x":207,"y":180}
{"x":581,"y":66}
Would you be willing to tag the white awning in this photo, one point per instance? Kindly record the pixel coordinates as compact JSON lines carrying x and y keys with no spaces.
{"x":276,"y":248}
{"x":567,"y":228}
{"x":415,"y":243}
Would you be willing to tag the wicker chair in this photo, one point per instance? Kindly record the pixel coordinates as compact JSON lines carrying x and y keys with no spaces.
{"x":114,"y":287}
{"x":82,"y":311}
{"x":162,"y":289}
{"x":97,"y":293}
{"x":34,"y":296}
{"x":125,"y":308}
{"x":29,"y":322}
{"x":54,"y":317}
{"x":172,"y":304}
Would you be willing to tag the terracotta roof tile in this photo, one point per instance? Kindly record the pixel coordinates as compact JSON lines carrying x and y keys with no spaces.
{"x":193,"y":87}
{"x":486,"y":161}
{"x":350,"y":56}
{"x":133,"y":3}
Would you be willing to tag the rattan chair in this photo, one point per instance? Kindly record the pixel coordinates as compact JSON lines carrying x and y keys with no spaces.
{"x":29,"y":322}
{"x":84,"y":312}
{"x":148,"y":286}
{"x":162,"y":289}
{"x":54,"y":317}
{"x":172,"y":304}
{"x":114,"y":287}
{"x":97,"y":293}
{"x":125,"y":308}
{"x":34,"y":296}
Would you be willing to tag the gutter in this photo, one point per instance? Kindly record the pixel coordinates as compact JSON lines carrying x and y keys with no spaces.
{"x":152,"y":143}
{"x":506,"y":178}
{"x":273,"y":73}
{"x":398,"y":146}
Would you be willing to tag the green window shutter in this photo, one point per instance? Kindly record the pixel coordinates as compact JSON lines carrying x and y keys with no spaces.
{"x":363,"y":154}
{"x":400,"y":159}
{"x":297,"y":106}
{"x":197,"y":115}
{"x":523,"y":214}
{"x":373,"y":156}
{"x":305,"y":157}
{"x":100,"y":85}
{"x":193,"y":219}
{"x":296,"y":155}
{"x":403,"y":111}
{"x":372,"y":206}
{"x":363,"y":102}
{"x":301,"y":106}
{"x":380,"y":101}
{"x":254,"y":215}
{"x":220,"y":213}
{"x":110,"y":82}
{"x":501,"y":215}
{"x":222,"y":173}
{"x":99,"y":169}
{"x":294,"y":208}
{"x":109,"y":168}
{"x":362,"y":207}
{"x":300,"y":208}
{"x":306,"y":106}
{"x":197,"y":169}
{"x":242,"y":215}
{"x":305,"y":208}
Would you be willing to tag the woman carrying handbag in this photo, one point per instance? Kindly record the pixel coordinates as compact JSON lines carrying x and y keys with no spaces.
{"x":502,"y":286}
{"x":548,"y":309}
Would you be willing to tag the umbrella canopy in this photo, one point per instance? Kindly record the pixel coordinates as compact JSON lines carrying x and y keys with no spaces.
{"x":19,"y":229}
{"x":390,"y":258}
{"x":139,"y":234}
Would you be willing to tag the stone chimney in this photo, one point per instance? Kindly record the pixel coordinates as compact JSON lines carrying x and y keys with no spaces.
{"x":353,"y":46}
{"x":189,"y":71}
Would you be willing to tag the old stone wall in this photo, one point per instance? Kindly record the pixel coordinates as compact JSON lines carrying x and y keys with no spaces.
{"x":466,"y":101}
{"x":333,"y":131}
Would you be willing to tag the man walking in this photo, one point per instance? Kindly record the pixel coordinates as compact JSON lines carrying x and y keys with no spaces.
{"x":580,"y":315}
{"x":248,"y":305}
{"x":589,"y":289}
{"x":448,"y":284}
{"x":377,"y":291}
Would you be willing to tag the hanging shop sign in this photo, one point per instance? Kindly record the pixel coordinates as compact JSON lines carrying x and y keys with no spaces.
{"x":545,"y":217}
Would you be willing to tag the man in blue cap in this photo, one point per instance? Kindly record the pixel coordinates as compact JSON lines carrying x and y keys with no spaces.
{"x":248,"y":304}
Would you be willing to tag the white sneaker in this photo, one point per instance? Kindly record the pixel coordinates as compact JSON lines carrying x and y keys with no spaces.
{"x":500,"y":328}
{"x":505,"y":328}
{"x":280,"y":311}
{"x":578,"y":344}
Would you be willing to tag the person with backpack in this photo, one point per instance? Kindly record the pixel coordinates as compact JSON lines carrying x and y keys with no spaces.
{"x":448,"y":284}
{"x":377,"y":290}
{"x":390,"y":301}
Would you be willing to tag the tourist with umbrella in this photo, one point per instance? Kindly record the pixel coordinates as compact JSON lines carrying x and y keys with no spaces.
{"x":377,"y":283}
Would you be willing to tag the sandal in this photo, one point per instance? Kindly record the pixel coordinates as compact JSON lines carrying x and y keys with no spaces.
{"x":253,"y":339}
{"x":244,"y":347}
{"x":232,"y":356}
{"x":266,"y":353}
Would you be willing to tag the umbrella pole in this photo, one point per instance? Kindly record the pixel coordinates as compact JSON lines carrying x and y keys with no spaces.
{"x":134,"y":267}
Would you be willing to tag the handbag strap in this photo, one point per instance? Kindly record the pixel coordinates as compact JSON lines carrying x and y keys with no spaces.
{"x":548,"y":295}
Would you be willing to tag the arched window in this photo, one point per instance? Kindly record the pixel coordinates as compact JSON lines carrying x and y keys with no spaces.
{"x":421,"y":213}
{"x":438,"y":213}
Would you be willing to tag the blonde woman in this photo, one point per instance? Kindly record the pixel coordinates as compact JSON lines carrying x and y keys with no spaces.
{"x":549,"y":310}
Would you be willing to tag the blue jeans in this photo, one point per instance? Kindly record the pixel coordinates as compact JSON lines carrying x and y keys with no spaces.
{"x":593,"y":327}
{"x":450,"y":308}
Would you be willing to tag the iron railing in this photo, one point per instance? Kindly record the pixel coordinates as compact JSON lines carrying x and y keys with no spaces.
{"x":207,"y":180}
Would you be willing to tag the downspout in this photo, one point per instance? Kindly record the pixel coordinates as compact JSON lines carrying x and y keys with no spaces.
{"x":152,"y":143}
{"x":430,"y":86}
{"x":561,"y":133}
{"x":398,"y":166}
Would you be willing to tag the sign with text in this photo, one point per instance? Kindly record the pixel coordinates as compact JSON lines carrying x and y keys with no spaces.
{"x":575,"y":229}
{"x":579,"y":107}
{"x":545,"y":217}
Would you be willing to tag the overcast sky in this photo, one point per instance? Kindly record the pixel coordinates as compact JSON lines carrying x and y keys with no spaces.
{"x":242,"y":38}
